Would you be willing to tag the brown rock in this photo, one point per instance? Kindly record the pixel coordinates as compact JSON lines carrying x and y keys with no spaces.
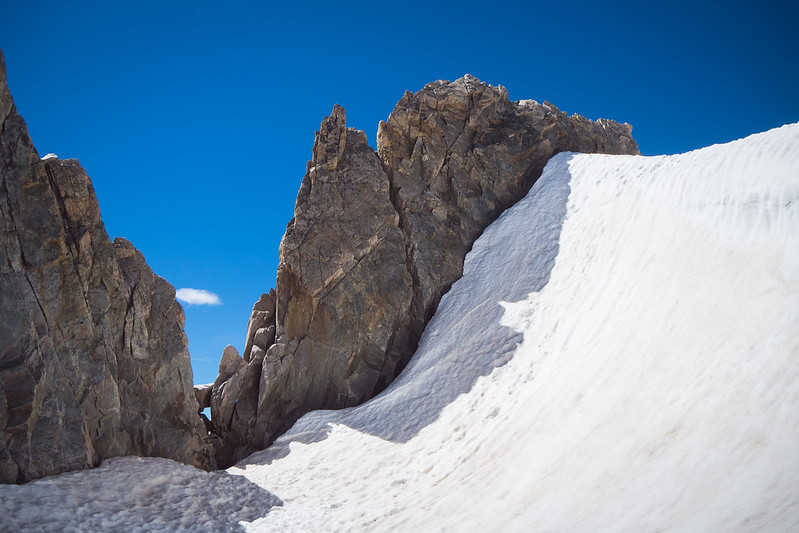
{"x":377,"y":240}
{"x":342,"y":284}
{"x":457,"y":155}
{"x":261,"y":328}
{"x":202,"y":393}
{"x":93,"y":359}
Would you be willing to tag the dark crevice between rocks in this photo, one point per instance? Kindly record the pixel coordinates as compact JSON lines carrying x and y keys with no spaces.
{"x":73,"y":242}
{"x":129,"y":312}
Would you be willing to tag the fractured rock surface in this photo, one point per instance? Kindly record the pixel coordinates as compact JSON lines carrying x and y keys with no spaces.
{"x":377,"y":238}
{"x":343,"y":286}
{"x":458,"y":154}
{"x":93,"y":359}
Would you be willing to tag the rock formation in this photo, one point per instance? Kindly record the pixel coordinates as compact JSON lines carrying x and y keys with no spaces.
{"x":377,"y":238}
{"x":93,"y":359}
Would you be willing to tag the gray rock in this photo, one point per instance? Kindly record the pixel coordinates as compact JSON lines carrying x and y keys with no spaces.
{"x":264,"y":337}
{"x":377,"y":239}
{"x":93,"y":359}
{"x":154,"y":370}
{"x":234,"y":408}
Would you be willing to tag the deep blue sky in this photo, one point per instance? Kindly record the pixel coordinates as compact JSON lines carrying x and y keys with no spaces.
{"x":195,"y":119}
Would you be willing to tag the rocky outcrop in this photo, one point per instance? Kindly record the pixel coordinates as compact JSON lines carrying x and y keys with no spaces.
{"x":234,"y":397}
{"x":458,"y":154}
{"x":93,"y":359}
{"x":377,"y":238}
{"x":343,"y":285}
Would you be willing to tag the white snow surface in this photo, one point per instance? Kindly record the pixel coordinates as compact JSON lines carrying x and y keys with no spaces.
{"x":621,"y":354}
{"x":134,"y":494}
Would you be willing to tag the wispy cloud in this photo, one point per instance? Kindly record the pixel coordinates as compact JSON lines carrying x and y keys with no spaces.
{"x":197,"y":297}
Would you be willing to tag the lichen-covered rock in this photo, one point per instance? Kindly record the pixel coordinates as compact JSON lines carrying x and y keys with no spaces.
{"x":378,"y":238}
{"x":93,"y":359}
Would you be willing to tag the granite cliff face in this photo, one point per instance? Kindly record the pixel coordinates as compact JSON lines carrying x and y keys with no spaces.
{"x":93,"y":359}
{"x":377,"y":238}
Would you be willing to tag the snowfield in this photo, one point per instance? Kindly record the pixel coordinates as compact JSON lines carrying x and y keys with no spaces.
{"x":621,"y":354}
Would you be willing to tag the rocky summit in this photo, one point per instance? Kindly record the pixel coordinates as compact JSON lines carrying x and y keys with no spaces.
{"x":93,"y":358}
{"x":377,"y":238}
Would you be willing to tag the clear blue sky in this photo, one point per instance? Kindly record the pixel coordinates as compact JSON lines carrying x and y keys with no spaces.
{"x":195,"y":119}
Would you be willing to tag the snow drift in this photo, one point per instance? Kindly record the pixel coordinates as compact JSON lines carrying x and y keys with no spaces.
{"x":622,"y":353}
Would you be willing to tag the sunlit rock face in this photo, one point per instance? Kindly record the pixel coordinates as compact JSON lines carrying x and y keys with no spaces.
{"x":378,"y":237}
{"x":458,"y":154}
{"x":93,"y":359}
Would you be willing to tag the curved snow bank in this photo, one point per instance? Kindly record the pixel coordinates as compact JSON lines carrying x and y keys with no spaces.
{"x":656,"y":385}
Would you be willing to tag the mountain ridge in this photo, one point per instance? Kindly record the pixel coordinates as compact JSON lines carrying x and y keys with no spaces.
{"x":378,"y":236}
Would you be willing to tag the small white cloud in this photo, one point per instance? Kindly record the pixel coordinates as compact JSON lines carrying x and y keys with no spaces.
{"x":197,"y":297}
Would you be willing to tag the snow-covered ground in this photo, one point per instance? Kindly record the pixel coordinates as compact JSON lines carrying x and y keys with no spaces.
{"x":622,"y":354}
{"x":134,"y":494}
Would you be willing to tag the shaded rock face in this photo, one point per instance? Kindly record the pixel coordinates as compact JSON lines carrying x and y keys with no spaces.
{"x":377,"y":238}
{"x":93,"y":359}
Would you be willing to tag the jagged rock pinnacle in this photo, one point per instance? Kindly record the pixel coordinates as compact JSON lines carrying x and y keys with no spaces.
{"x":378,"y":238}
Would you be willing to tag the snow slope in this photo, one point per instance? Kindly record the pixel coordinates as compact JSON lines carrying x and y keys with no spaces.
{"x":622,"y":354}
